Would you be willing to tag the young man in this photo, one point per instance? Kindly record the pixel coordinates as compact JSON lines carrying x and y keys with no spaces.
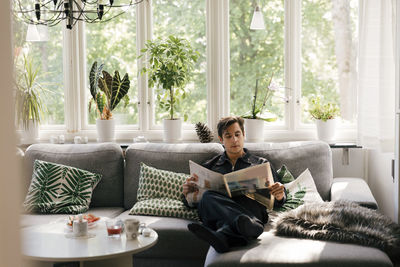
{"x":228,"y":222}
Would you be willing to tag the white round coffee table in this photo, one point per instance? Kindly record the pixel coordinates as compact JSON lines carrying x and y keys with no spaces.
{"x":52,"y":243}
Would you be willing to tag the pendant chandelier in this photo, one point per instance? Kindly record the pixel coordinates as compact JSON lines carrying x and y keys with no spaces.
{"x":52,"y":12}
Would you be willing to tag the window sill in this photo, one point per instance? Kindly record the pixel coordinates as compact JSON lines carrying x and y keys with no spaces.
{"x":270,"y":135}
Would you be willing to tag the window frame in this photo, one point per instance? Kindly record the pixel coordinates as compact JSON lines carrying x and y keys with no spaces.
{"x":217,"y":79}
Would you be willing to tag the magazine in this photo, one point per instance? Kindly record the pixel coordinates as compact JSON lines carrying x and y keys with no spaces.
{"x":249,"y":181}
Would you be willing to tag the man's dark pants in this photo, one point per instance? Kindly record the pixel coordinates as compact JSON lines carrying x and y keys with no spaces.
{"x":221,"y":213}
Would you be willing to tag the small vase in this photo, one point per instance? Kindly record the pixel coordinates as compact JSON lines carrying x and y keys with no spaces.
{"x":172,"y":130}
{"x":105,"y":130}
{"x":254,"y":130}
{"x":326,"y":130}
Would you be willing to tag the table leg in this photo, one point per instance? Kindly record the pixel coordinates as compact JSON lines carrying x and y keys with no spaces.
{"x":31,"y":263}
{"x":124,"y":261}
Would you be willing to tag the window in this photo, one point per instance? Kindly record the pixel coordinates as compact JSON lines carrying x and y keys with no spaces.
{"x":185,"y":19}
{"x":256,"y":54}
{"x":47,"y":58}
{"x":328,"y":37}
{"x":300,"y":48}
{"x":114,"y":44}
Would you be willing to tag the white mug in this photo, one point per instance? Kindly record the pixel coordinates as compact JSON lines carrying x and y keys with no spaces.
{"x":131,"y":228}
{"x":80,"y":227}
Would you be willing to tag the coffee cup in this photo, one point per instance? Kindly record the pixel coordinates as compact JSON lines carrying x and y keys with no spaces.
{"x":131,"y":228}
{"x":80,"y":226}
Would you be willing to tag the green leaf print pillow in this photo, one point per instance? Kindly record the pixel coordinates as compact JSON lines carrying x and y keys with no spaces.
{"x":56,"y":188}
{"x":301,"y":190}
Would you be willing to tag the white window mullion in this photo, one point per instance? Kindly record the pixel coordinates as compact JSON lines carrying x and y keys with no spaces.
{"x":72,"y":80}
{"x":143,"y":33}
{"x":217,"y":28}
{"x":293,"y":62}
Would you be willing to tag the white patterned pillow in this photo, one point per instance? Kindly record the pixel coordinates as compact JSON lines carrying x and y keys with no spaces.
{"x":56,"y":188}
{"x":164,"y":207}
{"x":301,"y":190}
{"x":155,"y":183}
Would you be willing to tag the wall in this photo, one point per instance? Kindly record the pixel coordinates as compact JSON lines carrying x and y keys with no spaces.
{"x":381,"y":181}
{"x":9,"y":197}
{"x":356,"y":163}
{"x":378,"y":174}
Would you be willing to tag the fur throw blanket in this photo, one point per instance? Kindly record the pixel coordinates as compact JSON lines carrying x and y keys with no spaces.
{"x":341,"y":221}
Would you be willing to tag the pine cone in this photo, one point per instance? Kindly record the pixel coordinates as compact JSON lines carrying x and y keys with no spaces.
{"x":204,"y":133}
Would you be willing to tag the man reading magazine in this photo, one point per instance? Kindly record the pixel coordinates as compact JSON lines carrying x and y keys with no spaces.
{"x":228,"y":222}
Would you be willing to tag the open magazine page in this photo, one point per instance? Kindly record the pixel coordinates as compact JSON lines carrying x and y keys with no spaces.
{"x":207,"y":179}
{"x":251,"y":182}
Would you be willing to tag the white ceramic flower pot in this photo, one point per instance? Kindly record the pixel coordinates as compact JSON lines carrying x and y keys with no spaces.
{"x":254,"y":130}
{"x":105,"y":130}
{"x":31,"y":134}
{"x":172,"y":130}
{"x":326,"y":130}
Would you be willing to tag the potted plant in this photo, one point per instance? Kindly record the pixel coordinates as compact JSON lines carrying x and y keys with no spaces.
{"x":324,"y":115}
{"x":170,"y":64}
{"x":253,"y":121}
{"x":107,"y":91}
{"x":28,"y":100}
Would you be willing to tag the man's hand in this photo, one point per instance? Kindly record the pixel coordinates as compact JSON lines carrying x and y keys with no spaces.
{"x":189,"y":186}
{"x":277,"y":190}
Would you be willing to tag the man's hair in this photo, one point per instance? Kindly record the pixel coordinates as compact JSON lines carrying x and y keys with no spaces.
{"x":224,"y":123}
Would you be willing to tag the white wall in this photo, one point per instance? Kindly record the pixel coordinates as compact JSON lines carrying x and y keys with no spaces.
{"x":381,"y":181}
{"x":356,"y":163}
{"x":378,"y":174}
{"x":9,"y":184}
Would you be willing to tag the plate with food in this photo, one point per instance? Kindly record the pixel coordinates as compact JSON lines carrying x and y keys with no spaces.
{"x":90,"y":218}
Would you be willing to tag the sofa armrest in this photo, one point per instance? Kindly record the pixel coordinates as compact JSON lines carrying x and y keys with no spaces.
{"x":353,"y":189}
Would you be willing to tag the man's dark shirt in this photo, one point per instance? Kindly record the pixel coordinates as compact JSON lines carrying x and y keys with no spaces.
{"x":223,"y":165}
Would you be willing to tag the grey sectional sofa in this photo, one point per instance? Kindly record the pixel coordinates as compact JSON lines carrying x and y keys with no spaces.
{"x":116,"y":194}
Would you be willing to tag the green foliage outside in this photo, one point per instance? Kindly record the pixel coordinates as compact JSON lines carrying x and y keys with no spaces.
{"x":47,"y":56}
{"x":185,"y":19}
{"x":254,"y":54}
{"x":114,"y":44}
{"x":319,"y":67}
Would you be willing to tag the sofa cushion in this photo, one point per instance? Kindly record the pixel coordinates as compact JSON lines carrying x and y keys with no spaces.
{"x":271,"y":250}
{"x":57,"y":188}
{"x":298,"y":156}
{"x":165,"y":207}
{"x":156,"y":183}
{"x":301,"y":190}
{"x":103,"y":158}
{"x":170,"y":157}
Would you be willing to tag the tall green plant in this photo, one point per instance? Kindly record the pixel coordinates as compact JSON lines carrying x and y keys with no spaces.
{"x":170,"y":63}
{"x":28,"y":100}
{"x":107,"y":91}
